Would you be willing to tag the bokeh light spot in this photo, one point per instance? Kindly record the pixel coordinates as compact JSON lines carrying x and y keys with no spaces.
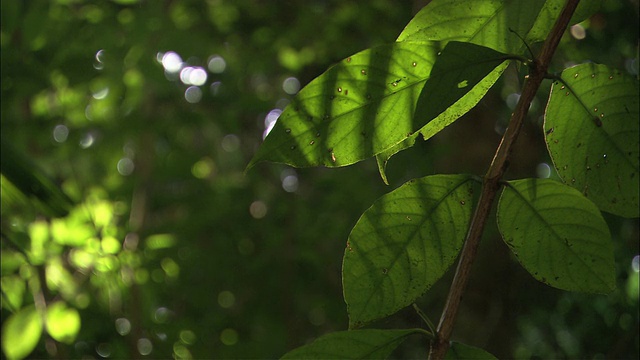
{"x":229,"y":337}
{"x":145,"y":347}
{"x":216,"y":64}
{"x":60,"y":133}
{"x":270,"y":121}
{"x":578,"y":32}
{"x":193,"y":94}
{"x":125,"y":166}
{"x":291,"y":85}
{"x":172,"y":62}
{"x":226,"y":299}
{"x":258,"y":209}
{"x":123,"y":326}
{"x":230,"y":143}
{"x":543,"y":170}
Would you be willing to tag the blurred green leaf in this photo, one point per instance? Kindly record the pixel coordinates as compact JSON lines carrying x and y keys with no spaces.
{"x":558,"y":235}
{"x":27,"y":177}
{"x":592,"y":133}
{"x":21,"y":333}
{"x":459,"y":351}
{"x":403,"y":244}
{"x":355,"y":344}
{"x":13,"y":289}
{"x":63,"y":323}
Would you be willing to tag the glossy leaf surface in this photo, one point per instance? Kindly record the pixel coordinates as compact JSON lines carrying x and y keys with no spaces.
{"x":592,"y":133}
{"x":21,"y":333}
{"x":489,"y":22}
{"x":356,"y":344}
{"x":558,"y":235}
{"x":403,"y":244}
{"x":355,"y":110}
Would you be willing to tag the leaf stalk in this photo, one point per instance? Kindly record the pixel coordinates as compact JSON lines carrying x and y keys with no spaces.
{"x":491,"y":182}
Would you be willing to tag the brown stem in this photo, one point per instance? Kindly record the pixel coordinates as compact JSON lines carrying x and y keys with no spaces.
{"x":490,"y":187}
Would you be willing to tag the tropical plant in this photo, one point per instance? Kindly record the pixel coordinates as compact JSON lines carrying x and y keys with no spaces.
{"x":378,"y":102}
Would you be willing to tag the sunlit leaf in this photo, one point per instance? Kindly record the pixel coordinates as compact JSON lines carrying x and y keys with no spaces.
{"x":490,"y":23}
{"x":21,"y":333}
{"x":63,"y":323}
{"x":13,"y":289}
{"x":558,"y":235}
{"x":403,"y":244}
{"x":592,"y":133}
{"x":461,"y":76}
{"x":355,"y":110}
{"x":459,"y":351}
{"x":356,"y":344}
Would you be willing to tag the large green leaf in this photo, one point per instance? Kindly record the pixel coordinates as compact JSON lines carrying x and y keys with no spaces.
{"x":21,"y":333}
{"x":403,"y":244}
{"x":459,"y":351}
{"x":356,"y":344}
{"x":591,"y":126}
{"x":461,"y":76}
{"x":356,"y":109}
{"x":558,"y":235}
{"x":490,"y":22}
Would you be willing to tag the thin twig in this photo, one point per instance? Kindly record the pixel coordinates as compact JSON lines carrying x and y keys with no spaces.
{"x":491,"y":184}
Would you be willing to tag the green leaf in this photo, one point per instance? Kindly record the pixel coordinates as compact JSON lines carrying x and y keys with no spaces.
{"x":459,"y":351}
{"x":461,"y":76}
{"x":489,"y":22}
{"x":13,"y":289}
{"x":591,"y":126}
{"x":459,"y":68}
{"x":558,"y":235}
{"x":30,"y":180}
{"x":356,"y":344}
{"x":21,"y":333}
{"x":63,"y":323}
{"x":355,"y":110}
{"x":403,"y":244}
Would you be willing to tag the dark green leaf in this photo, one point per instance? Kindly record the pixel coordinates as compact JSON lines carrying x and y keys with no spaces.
{"x":461,"y":76}
{"x":591,"y":126}
{"x":558,"y":235}
{"x":355,"y":110}
{"x":403,"y":244}
{"x":459,"y":351}
{"x":356,"y":344}
{"x":30,"y":180}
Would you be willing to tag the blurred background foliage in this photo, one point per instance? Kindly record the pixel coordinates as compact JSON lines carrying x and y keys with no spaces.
{"x":145,"y":114}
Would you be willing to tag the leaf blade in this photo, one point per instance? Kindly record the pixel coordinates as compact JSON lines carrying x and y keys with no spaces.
{"x":557,"y":235}
{"x":21,"y":333}
{"x":591,"y":130}
{"x":354,"y":110}
{"x":403,"y":244}
{"x":354,"y":344}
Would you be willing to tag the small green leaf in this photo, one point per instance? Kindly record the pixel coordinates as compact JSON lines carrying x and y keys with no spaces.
{"x":459,"y":351}
{"x":63,"y":323}
{"x":592,"y":133}
{"x":21,"y":333}
{"x":356,"y":344}
{"x":558,"y":235}
{"x":356,"y":109}
{"x":13,"y":289}
{"x":403,"y":244}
